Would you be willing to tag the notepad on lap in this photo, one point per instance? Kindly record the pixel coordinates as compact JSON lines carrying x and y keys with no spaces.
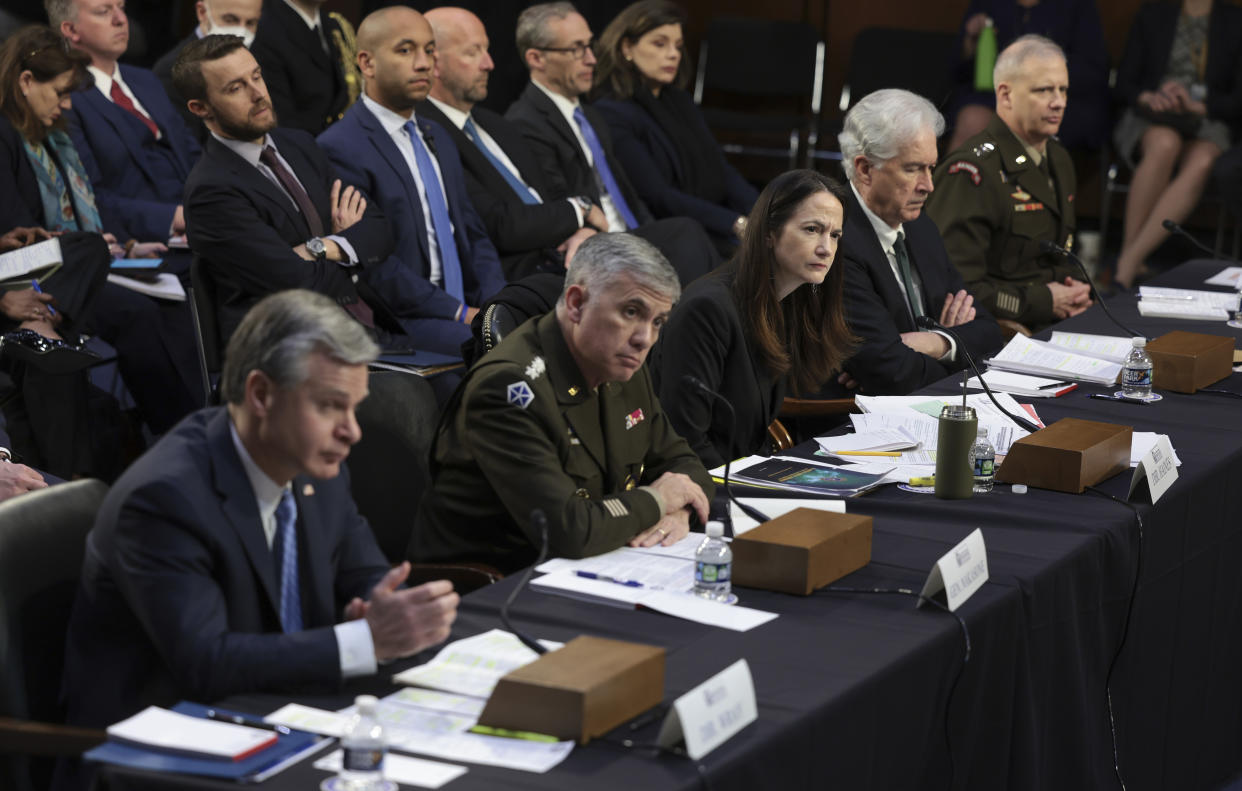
{"x":162,"y":729}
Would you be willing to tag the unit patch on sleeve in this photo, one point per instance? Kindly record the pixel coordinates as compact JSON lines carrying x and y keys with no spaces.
{"x":968,"y":167}
{"x":519,"y":394}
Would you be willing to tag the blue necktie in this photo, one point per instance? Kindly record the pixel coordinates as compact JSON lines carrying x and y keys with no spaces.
{"x":601,"y":167}
{"x":450,"y":264}
{"x":521,"y":189}
{"x":287,"y":538}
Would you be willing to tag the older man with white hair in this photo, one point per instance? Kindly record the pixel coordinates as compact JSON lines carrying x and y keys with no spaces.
{"x":1010,"y":188}
{"x":896,"y":268}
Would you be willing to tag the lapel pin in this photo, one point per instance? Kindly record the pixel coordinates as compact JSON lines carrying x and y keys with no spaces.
{"x":308,"y":490}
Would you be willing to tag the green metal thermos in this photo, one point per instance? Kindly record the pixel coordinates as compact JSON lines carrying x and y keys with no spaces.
{"x":955,"y":480}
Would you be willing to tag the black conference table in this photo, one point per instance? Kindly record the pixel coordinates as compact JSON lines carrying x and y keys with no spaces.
{"x":863,"y":691}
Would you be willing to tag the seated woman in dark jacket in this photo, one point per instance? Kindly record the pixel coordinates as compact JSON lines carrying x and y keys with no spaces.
{"x":658,"y":132}
{"x":772,"y":314}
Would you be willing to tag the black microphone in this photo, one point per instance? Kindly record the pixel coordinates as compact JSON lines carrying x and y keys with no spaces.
{"x":540,"y":521}
{"x":1174,"y":228}
{"x":1046,"y":246}
{"x":753,"y":513}
{"x":928,"y":323}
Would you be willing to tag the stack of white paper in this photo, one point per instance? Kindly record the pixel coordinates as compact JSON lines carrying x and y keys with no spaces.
{"x":1185,"y":303}
{"x":1112,"y":348}
{"x":878,"y":440}
{"x":175,"y":732}
{"x":1230,"y":276}
{"x":472,"y":666}
{"x":1021,"y":384}
{"x":1027,"y":356}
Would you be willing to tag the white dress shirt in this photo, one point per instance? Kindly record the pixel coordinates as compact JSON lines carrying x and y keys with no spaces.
{"x":394,"y":125}
{"x":104,"y":82}
{"x":888,"y":237}
{"x":251,"y":152}
{"x":355,"y":647}
{"x":567,"y":106}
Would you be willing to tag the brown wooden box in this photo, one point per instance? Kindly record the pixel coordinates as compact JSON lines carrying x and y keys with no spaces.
{"x":585,"y":689}
{"x":1068,"y":456}
{"x":1186,"y":361}
{"x":802,"y":550}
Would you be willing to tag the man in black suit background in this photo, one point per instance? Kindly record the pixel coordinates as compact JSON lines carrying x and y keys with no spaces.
{"x":572,"y":143}
{"x":532,"y":231}
{"x":308,"y":62}
{"x":896,"y":266}
{"x":223,"y":18}
{"x":269,"y":213}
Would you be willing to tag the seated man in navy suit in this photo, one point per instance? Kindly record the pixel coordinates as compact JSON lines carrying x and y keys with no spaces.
{"x":896,"y":267}
{"x":265,"y":209}
{"x":231,"y":558}
{"x":136,"y":149}
{"x":443,"y":266}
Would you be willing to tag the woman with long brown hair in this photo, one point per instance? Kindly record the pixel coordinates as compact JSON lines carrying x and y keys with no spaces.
{"x":768,"y":321}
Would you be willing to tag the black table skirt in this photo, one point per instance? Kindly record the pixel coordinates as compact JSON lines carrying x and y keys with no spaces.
{"x":855,"y":690}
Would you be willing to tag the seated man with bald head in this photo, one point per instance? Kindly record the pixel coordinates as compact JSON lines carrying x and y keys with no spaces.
{"x":443,"y":266}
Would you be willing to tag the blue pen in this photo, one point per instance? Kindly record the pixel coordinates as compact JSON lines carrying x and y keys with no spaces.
{"x":35,"y":285}
{"x":591,"y":575}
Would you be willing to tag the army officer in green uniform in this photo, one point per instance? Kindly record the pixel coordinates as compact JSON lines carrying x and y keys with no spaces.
{"x":561,"y":417}
{"x":1010,"y":188}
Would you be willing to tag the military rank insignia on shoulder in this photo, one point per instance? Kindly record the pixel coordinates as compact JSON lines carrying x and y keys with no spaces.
{"x":519,"y":394}
{"x":962,"y":166}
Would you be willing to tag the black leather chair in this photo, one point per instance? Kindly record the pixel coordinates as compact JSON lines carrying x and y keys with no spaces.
{"x":206,"y":328}
{"x":42,"y":542}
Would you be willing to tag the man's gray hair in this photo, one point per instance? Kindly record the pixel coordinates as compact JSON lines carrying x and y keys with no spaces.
{"x":1011,"y":60}
{"x":60,"y":11}
{"x":882,"y":123}
{"x":532,"y":25}
{"x":280,"y":333}
{"x":604,"y":257}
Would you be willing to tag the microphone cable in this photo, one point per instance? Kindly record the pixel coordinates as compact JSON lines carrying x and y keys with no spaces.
{"x":753,"y":513}
{"x":1046,"y":246}
{"x":540,"y":521}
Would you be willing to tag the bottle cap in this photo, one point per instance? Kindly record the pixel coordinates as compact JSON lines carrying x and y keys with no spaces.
{"x":714,"y":529}
{"x":982,"y":432}
{"x":1019,"y":488}
{"x":366,"y":703}
{"x":1139,"y":342}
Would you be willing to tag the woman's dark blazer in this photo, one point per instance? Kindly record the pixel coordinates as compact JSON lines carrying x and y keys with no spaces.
{"x":653,"y":164}
{"x":20,"y":204}
{"x":1146,"y":58}
{"x":704,"y":337}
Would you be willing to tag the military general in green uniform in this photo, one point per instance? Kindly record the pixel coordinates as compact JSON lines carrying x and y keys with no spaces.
{"x":1010,"y":188}
{"x":561,"y":417}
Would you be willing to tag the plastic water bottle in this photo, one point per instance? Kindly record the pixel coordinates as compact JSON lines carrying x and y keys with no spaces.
{"x":1136,"y":371}
{"x":985,"y":57}
{"x":983,"y":462}
{"x":362,"y":749}
{"x":713,"y":565}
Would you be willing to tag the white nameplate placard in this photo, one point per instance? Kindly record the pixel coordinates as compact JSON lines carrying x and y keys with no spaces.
{"x":713,"y":712}
{"x":1159,"y":467}
{"x":960,"y":573}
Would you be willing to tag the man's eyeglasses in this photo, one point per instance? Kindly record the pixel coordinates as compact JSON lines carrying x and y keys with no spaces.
{"x":577,"y":51}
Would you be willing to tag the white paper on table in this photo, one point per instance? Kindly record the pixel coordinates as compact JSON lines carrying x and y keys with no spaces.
{"x":1025,"y":385}
{"x":683,"y":549}
{"x":472,"y":666}
{"x":1141,"y":443}
{"x":1002,"y":432}
{"x":171,"y":730}
{"x":311,"y":720}
{"x":884,"y":439}
{"x":1229,"y":276}
{"x":477,"y":748}
{"x":403,"y":769}
{"x":677,"y":604}
{"x":1225,"y":300}
{"x":434,"y":700}
{"x":1028,"y":356}
{"x":773,"y":507}
{"x":1102,"y":347}
{"x":396,"y":717}
{"x":651,"y":569}
{"x":1191,"y":311}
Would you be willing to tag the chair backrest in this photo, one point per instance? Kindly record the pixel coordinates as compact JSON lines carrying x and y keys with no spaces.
{"x":761,"y":57}
{"x":203,"y":303}
{"x":885,"y":57}
{"x":42,"y":543}
{"x":388,"y":466}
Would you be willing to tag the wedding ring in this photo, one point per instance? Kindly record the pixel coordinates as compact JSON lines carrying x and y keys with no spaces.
{"x":663,"y":534}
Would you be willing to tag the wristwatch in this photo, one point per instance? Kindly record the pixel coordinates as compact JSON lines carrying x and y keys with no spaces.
{"x":317,"y":248}
{"x":585,"y":204}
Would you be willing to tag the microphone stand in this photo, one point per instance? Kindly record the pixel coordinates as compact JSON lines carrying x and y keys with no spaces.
{"x":753,"y":513}
{"x":928,"y":323}
{"x":540,"y":521}
{"x":1046,"y":246}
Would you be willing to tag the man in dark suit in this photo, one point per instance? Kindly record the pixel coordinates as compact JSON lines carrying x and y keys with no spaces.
{"x":308,"y":62}
{"x":266,"y":210}
{"x":571,"y":141}
{"x":231,"y":558}
{"x":532,"y":231}
{"x":896,"y":267}
{"x":15,"y":478}
{"x":136,"y":149}
{"x":443,"y":266}
{"x":223,"y":18}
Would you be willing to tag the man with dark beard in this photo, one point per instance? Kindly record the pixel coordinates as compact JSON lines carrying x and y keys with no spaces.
{"x":269,"y":213}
